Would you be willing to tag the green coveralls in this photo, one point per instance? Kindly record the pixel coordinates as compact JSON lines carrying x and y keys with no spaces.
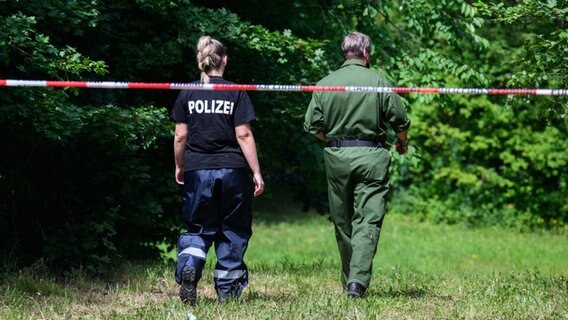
{"x":358,"y":177}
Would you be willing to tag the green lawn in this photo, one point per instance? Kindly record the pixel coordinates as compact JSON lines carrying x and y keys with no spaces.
{"x":422,"y":271}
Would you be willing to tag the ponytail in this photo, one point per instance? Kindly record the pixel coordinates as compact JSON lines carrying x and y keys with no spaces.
{"x":210,"y":54}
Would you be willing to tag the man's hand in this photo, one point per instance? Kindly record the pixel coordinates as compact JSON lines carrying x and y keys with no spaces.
{"x":402,"y":146}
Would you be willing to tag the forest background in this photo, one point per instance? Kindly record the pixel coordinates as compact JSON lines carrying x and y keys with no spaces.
{"x":86,"y":175}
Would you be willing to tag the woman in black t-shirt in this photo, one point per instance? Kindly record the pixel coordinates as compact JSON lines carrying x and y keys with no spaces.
{"x":213,"y":145}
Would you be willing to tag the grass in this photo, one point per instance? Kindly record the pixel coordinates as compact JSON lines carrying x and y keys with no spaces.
{"x":422,"y":271}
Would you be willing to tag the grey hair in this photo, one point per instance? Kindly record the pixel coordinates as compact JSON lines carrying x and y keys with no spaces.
{"x":355,"y":44}
{"x":210,"y":54}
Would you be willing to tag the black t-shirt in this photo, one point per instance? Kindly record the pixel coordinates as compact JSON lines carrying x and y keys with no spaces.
{"x":212,"y":117}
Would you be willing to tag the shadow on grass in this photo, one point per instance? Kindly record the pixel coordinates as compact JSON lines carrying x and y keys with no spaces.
{"x":248,"y":297}
{"x":258,"y":296}
{"x":409,"y":293}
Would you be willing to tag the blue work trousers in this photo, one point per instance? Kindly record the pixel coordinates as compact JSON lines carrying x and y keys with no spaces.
{"x":217,"y":209}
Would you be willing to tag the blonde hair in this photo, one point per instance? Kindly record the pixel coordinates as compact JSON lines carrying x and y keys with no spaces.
{"x":210,"y":54}
{"x":355,"y":44}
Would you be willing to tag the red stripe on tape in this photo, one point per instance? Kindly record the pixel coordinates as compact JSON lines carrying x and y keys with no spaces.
{"x":2,"y":83}
{"x":418,"y":90}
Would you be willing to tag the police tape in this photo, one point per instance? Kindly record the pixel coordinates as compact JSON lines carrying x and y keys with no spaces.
{"x":272,"y":87}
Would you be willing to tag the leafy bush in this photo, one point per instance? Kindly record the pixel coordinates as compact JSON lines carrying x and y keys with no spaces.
{"x":86,"y":175}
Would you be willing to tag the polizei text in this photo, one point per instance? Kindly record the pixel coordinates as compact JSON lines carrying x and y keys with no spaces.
{"x":210,"y":106}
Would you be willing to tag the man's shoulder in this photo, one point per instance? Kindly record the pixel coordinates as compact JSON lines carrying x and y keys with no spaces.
{"x":334,"y":77}
{"x":344,"y":75}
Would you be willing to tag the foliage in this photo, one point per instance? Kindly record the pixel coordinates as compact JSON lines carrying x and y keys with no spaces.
{"x":77,"y":178}
{"x":88,"y":178}
{"x":86,"y":175}
{"x":492,"y":160}
{"x":491,"y":166}
{"x":540,"y":47}
{"x":62,"y":201}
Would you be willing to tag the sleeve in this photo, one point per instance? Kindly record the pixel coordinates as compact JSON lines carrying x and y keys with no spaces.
{"x":395,"y":113}
{"x":313,"y":120}
{"x":244,"y":110}
{"x":178,"y":113}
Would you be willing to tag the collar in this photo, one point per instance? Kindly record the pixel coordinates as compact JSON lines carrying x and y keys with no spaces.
{"x":357,"y":62}
{"x":215,"y":79}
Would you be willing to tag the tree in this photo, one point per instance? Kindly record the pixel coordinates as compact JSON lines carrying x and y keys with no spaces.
{"x":87,"y":170}
{"x":539,"y":40}
{"x":86,"y":175}
{"x":496,"y":160}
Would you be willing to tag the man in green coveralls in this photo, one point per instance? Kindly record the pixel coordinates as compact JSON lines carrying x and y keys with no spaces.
{"x":354,"y":125}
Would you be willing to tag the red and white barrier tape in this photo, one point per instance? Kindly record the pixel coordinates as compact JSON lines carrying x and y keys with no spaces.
{"x":273,"y":87}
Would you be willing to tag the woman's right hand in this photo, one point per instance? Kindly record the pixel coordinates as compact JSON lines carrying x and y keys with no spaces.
{"x":258,"y":184}
{"x":179,"y":175}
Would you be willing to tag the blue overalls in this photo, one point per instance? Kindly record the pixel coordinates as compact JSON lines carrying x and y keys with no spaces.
{"x":217,"y":209}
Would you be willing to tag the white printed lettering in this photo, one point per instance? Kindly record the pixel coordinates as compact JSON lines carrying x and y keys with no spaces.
{"x":219,"y":106}
{"x":210,"y":106}
{"x":199,"y":106}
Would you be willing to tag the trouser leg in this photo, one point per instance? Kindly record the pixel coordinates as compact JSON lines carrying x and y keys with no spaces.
{"x":367,"y":224}
{"x":341,"y":209}
{"x":200,"y":219}
{"x":192,"y":251}
{"x":357,"y":186}
{"x":231,"y":272}
{"x":370,"y":192}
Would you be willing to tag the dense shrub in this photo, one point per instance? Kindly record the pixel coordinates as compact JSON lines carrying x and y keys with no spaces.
{"x":86,"y":176}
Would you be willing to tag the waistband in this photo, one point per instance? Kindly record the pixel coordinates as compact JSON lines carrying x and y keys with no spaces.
{"x":353,"y":143}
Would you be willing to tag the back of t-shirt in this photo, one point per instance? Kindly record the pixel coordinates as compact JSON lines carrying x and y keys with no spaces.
{"x":212,"y":117}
